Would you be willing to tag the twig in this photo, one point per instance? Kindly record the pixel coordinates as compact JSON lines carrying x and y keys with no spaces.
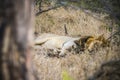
{"x":66,"y":33}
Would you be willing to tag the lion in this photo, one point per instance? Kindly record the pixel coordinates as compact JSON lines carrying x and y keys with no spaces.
{"x":65,"y":43}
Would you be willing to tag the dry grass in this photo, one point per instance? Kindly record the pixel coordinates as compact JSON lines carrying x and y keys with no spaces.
{"x":78,"y":66}
{"x":77,"y":22}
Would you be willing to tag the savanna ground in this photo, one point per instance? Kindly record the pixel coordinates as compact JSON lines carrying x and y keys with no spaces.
{"x":82,"y":66}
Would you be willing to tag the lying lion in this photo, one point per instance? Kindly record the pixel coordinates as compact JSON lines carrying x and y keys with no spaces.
{"x":65,"y":43}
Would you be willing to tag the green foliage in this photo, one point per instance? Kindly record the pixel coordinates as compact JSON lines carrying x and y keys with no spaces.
{"x":66,"y":76}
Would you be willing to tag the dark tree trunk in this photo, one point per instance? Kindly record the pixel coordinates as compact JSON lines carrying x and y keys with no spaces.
{"x":15,"y":39}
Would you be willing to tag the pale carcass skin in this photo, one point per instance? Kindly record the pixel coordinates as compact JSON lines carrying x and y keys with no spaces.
{"x":68,"y":46}
{"x":63,"y":43}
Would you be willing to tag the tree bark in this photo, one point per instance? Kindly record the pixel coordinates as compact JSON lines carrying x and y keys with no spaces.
{"x":15,"y":39}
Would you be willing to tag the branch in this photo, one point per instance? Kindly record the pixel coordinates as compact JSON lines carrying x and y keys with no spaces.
{"x":38,"y":13}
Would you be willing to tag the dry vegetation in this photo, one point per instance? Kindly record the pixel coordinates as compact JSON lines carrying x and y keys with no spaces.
{"x":76,"y":21}
{"x":78,"y":66}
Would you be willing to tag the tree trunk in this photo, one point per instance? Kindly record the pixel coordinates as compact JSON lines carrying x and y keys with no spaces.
{"x":15,"y":39}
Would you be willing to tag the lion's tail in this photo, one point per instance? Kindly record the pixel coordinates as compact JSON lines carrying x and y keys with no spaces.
{"x":40,"y":41}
